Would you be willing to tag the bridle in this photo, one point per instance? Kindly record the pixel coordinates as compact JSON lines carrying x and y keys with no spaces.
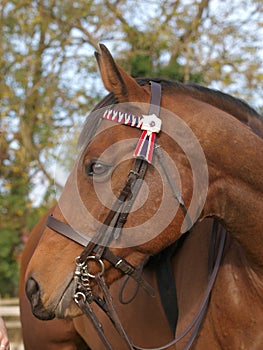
{"x":97,"y":249}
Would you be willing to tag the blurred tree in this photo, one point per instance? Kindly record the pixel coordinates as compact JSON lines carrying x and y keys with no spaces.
{"x":214,"y":42}
{"x":49,"y":80}
{"x":39,"y":102}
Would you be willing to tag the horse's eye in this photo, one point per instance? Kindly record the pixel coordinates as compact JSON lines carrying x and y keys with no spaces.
{"x":96,"y":168}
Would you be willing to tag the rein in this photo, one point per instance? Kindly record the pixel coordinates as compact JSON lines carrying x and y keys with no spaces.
{"x":96,"y":249}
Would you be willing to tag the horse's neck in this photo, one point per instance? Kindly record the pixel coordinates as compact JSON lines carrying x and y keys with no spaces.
{"x":236,"y":187}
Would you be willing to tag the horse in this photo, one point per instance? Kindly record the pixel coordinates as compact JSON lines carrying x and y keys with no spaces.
{"x":195,"y":160}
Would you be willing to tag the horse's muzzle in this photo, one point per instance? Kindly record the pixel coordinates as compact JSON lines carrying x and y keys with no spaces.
{"x":34,"y":295}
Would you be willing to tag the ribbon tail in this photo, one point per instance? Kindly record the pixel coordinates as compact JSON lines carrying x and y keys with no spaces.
{"x":145,"y":146}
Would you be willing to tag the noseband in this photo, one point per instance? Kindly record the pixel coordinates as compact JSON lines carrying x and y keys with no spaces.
{"x":97,"y":249}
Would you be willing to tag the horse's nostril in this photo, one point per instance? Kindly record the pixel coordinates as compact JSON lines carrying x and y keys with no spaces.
{"x":33,"y":291}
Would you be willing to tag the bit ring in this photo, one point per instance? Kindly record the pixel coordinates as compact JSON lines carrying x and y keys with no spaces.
{"x":78,"y":296}
{"x":100,"y":262}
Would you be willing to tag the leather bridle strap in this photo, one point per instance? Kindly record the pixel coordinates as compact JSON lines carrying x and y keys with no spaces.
{"x":67,"y":231}
{"x":195,"y":324}
{"x":126,"y":268}
{"x":118,"y":262}
{"x":111,"y":310}
{"x":88,"y":311}
{"x":156,"y":95}
{"x":118,"y":214}
{"x":198,"y":318}
{"x":175,"y":191}
{"x":112,"y":228}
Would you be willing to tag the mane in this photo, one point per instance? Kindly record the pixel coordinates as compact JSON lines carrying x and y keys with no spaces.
{"x":227,"y":103}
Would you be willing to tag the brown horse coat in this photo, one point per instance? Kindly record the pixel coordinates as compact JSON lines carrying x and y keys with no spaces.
{"x":234,"y":155}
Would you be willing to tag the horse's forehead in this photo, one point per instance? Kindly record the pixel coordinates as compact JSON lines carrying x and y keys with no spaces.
{"x":110,"y":133}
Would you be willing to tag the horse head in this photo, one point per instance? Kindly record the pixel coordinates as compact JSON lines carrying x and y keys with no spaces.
{"x":164,"y":191}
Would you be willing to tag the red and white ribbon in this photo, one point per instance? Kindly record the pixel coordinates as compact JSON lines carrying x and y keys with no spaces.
{"x":150,"y":124}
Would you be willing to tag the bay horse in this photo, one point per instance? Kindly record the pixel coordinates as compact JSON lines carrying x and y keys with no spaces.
{"x":211,"y":166}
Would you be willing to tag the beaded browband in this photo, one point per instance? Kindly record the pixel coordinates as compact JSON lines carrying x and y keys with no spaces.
{"x":149,"y":124}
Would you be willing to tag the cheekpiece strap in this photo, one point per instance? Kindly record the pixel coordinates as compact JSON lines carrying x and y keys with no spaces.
{"x":149,"y":124}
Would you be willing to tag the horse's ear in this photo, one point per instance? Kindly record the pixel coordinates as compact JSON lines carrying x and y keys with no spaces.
{"x":116,"y":80}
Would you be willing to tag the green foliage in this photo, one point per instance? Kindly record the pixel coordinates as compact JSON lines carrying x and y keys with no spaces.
{"x":9,"y":262}
{"x":13,"y":224}
{"x":18,"y":216}
{"x":142,"y":66}
{"x":175,"y":71}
